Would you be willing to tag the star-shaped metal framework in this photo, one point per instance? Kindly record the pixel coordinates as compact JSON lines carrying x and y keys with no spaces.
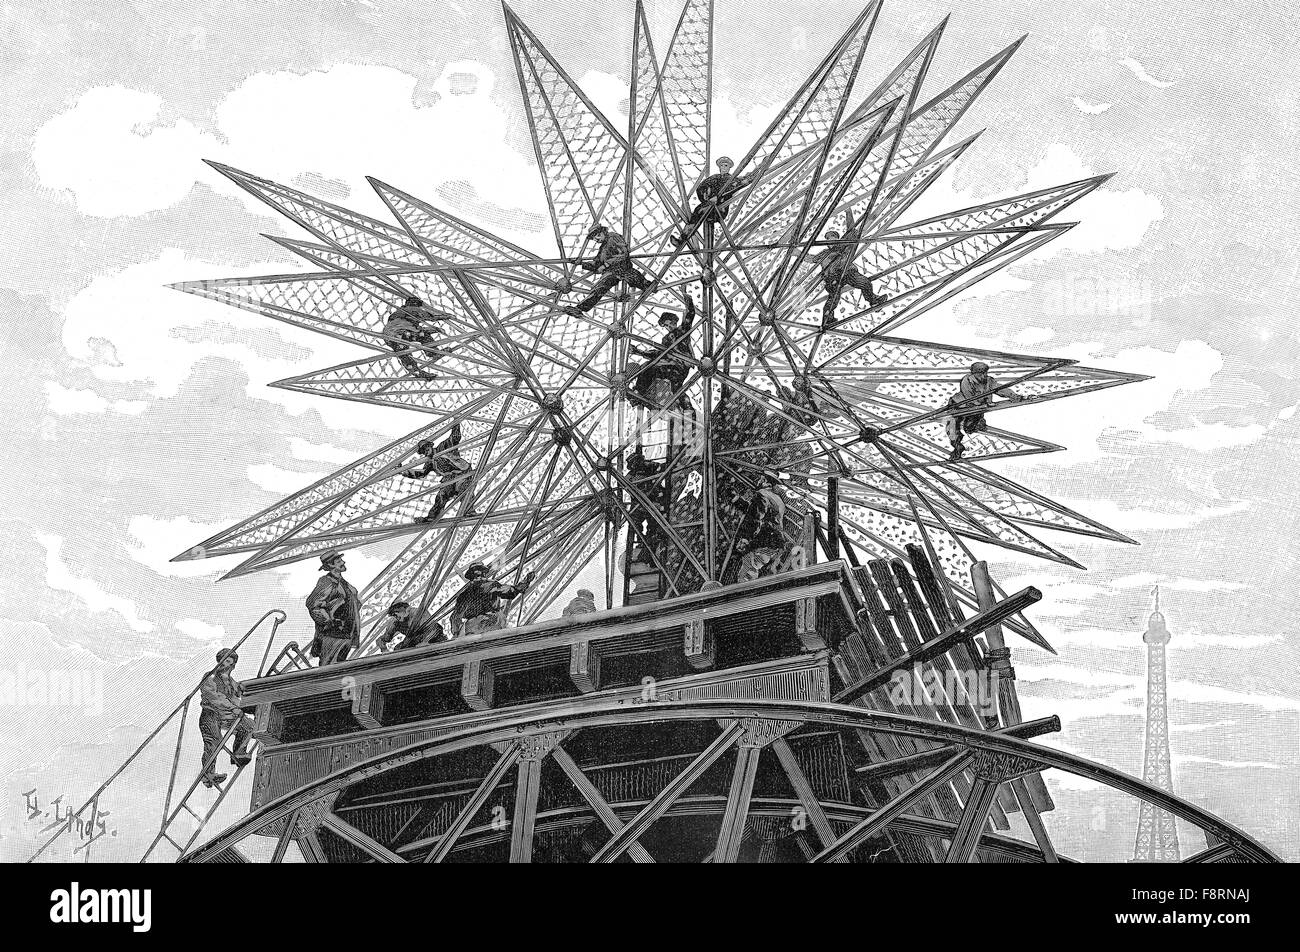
{"x":835,"y":404}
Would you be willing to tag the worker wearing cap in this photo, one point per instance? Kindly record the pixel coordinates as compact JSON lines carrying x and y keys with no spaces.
{"x":414,"y":628}
{"x":715,"y":194}
{"x":838,"y":271}
{"x":613,"y":262}
{"x":583,"y":603}
{"x":760,"y":537}
{"x":412,"y":323}
{"x":335,"y":608}
{"x":219,"y":711}
{"x":673,"y":353}
{"x":968,"y":404}
{"x":479,"y":604}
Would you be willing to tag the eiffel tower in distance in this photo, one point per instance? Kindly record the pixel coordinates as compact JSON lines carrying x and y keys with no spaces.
{"x":1157,"y":834}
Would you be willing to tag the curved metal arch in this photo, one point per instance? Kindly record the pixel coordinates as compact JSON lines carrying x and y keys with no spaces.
{"x":614,"y":713}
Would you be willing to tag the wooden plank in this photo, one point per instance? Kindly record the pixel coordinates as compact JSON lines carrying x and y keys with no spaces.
{"x":967,"y":838}
{"x":368,"y":705}
{"x":527,"y":785}
{"x":736,"y":812}
{"x":869,"y":827}
{"x":584,"y":666}
{"x":882,"y":572}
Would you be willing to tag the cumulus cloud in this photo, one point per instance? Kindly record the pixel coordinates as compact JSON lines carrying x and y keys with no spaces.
{"x":201,"y":630}
{"x":111,"y":152}
{"x":65,"y":402}
{"x":59,"y":576}
{"x":156,"y":541}
{"x":274,"y":479}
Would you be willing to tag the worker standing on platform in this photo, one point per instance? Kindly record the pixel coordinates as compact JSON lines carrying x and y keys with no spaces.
{"x":457,"y":472}
{"x":336,"y":610}
{"x":839,"y":272}
{"x":968,"y":404}
{"x":760,"y":538}
{"x":412,"y":324}
{"x":479,"y":604}
{"x":414,"y":628}
{"x":219,"y":711}
{"x":673,"y":357}
{"x":613,"y":262}
{"x":715,"y":194}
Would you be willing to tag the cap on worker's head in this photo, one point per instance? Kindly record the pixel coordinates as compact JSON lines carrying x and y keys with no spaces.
{"x":724,"y":161}
{"x":225,"y":653}
{"x":803,"y":382}
{"x":414,"y":301}
{"x":475,"y":570}
{"x":596,"y":230}
{"x":586,"y":594}
{"x":424,"y":446}
{"x":328,"y":557}
{"x":979,"y":367}
{"x":667,"y":317}
{"x":394,"y":608}
{"x":832,"y":235}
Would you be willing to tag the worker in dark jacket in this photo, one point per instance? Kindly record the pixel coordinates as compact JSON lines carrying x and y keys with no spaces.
{"x":760,"y":538}
{"x":335,"y":608}
{"x":675,"y":348}
{"x":838,"y":271}
{"x":715,"y":194}
{"x":613,"y":262}
{"x":479,"y":604}
{"x":409,"y":325}
{"x":444,"y":459}
{"x":966,"y":407}
{"x":219,"y":711}
{"x":414,"y":629}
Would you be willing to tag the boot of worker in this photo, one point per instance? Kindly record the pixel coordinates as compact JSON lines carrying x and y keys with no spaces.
{"x":957,"y":450}
{"x":213,"y":779}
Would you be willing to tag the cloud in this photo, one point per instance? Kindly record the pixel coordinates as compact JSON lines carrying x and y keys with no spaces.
{"x":59,"y":576}
{"x":110,"y":152}
{"x":1091,"y":109}
{"x":201,"y":630}
{"x":65,"y":402}
{"x":1138,"y":70}
{"x":1150,"y":579}
{"x":319,"y":452}
{"x":113,"y":155}
{"x":160,"y":539}
{"x":277,"y":480}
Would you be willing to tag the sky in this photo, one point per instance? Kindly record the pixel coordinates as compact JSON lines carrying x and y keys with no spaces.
{"x":138,"y":420}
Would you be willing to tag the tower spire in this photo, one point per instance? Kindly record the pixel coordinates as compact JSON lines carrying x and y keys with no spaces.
{"x":1157,"y":834}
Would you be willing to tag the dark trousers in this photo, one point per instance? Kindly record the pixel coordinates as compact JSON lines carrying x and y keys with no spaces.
{"x":406,"y":354}
{"x":608,"y":280}
{"x":334,"y":650}
{"x":674,"y":373}
{"x":213,"y":725}
{"x":702,"y":212}
{"x":852,"y":278}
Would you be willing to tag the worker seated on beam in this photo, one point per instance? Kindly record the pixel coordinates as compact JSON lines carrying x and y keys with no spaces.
{"x":412,"y":324}
{"x":613,"y":262}
{"x":407,"y":628}
{"x":219,"y":711}
{"x":676,"y":359}
{"x":968,"y":404}
{"x":457,"y":473}
{"x":760,"y":538}
{"x":335,"y":609}
{"x":480,"y":605}
{"x":715,"y":194}
{"x":838,"y":271}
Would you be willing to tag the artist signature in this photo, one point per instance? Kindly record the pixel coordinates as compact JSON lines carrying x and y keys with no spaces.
{"x":87,"y":829}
